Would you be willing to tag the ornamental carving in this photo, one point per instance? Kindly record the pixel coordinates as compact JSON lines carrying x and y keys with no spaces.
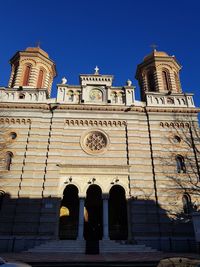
{"x":94,"y":142}
{"x":103,"y":123}
{"x":175,"y":124}
{"x":14,"y":120}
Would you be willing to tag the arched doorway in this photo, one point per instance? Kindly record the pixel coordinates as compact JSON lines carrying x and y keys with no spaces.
{"x":118,"y":228}
{"x":69,"y":210}
{"x":93,"y":214}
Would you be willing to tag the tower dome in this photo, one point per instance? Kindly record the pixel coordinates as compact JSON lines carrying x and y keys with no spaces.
{"x":32,"y":68}
{"x":158,"y":72}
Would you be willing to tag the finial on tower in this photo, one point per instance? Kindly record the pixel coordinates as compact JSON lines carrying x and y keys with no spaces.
{"x":38,"y":44}
{"x":153,"y":46}
{"x":96,"y":70}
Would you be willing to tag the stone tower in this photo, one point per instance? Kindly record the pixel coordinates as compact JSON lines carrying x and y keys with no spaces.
{"x":33,"y":69}
{"x":159,"y":73}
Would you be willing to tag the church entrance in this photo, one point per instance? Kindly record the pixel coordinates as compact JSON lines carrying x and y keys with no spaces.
{"x":93,"y":215}
{"x":118,"y":228}
{"x":69,"y":210}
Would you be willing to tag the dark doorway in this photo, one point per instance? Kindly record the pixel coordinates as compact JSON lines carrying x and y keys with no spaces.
{"x":118,"y":229}
{"x":69,"y":210}
{"x":93,"y":229}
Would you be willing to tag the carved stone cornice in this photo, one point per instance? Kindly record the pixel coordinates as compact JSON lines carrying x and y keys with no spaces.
{"x":173,"y":110}
{"x":11,"y":120}
{"x":105,"y":123}
{"x":172,"y":124}
{"x":108,"y":108}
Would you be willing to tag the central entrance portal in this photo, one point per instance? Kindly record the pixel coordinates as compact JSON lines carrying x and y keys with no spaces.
{"x":93,"y":215}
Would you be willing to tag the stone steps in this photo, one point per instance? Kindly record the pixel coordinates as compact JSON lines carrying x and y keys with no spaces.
{"x":111,"y":246}
{"x":79,"y":246}
{"x":68,"y":246}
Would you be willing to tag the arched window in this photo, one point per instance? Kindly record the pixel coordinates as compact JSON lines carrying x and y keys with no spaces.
{"x":8,"y":160}
{"x":177,"y":81}
{"x":151,"y":81}
{"x":2,"y":194}
{"x":166,"y":80}
{"x":180,"y":164}
{"x":187,"y":205}
{"x":114,"y":97}
{"x":40,"y":79}
{"x":71,"y":96}
{"x":26,"y":75}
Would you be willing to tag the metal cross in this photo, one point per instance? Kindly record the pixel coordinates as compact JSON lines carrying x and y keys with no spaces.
{"x":96,"y":70}
{"x":38,"y":43}
{"x":153,"y":46}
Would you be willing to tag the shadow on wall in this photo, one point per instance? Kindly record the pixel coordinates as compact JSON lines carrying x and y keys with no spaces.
{"x":152,"y":226}
{"x":27,"y":222}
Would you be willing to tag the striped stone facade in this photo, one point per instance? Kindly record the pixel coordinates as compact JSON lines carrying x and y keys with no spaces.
{"x":98,"y":138}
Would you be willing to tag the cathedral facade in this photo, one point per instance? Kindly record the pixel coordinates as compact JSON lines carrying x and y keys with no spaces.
{"x":94,"y":163}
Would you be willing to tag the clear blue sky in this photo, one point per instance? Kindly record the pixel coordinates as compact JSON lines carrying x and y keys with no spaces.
{"x":113,"y":34}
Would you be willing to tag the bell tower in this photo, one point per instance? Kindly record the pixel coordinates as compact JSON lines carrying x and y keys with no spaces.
{"x":159,"y":73}
{"x":33,"y":69}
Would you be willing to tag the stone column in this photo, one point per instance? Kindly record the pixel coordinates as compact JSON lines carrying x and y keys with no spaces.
{"x":81,"y":218}
{"x":105,"y":218}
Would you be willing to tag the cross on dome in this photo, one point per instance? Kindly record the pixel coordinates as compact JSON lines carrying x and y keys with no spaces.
{"x":153,"y":46}
{"x":96,"y":70}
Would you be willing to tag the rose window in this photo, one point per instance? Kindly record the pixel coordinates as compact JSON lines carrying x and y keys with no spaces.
{"x":95,"y":142}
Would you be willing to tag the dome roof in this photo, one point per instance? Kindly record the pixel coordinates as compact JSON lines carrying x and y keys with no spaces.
{"x":156,"y":53}
{"x":37,"y":49}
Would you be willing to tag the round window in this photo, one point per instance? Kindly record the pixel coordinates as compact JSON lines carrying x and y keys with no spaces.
{"x":95,"y":142}
{"x":13,"y":135}
{"x":176,"y":139}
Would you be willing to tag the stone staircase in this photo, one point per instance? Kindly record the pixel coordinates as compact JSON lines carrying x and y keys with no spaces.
{"x":111,"y":246}
{"x":78,"y":246}
{"x":67,"y":246}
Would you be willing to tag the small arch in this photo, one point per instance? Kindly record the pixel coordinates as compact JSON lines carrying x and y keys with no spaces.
{"x":151,"y":81}
{"x":187,"y":204}
{"x":8,"y":160}
{"x":180,"y":164}
{"x":70,"y":94}
{"x":40,"y":78}
{"x":21,"y":96}
{"x":27,"y":73}
{"x":166,"y":80}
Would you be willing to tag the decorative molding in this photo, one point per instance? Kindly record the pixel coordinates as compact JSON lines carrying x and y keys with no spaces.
{"x":175,"y":124}
{"x":15,"y":120}
{"x":110,"y":108}
{"x":105,"y":123}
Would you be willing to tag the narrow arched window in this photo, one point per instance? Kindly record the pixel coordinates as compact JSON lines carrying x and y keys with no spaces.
{"x":40,"y":79}
{"x":26,"y":75}
{"x":187,"y":205}
{"x":166,"y":80}
{"x":8,"y":160}
{"x":115,"y":98}
{"x":151,"y":81}
{"x":180,"y":164}
{"x":71,"y":96}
